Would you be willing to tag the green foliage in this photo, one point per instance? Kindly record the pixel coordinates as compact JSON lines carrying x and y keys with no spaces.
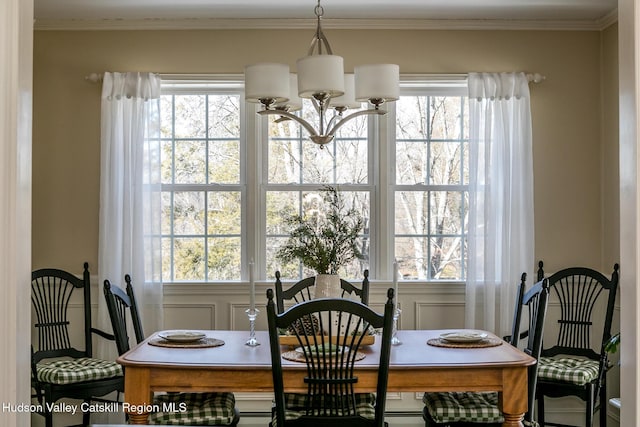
{"x":324,"y":239}
{"x":611,"y":346}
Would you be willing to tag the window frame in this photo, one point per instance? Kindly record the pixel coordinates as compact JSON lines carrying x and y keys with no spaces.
{"x":265,"y":186}
{"x":214,"y":85}
{"x":416,"y":85}
{"x":253,"y":183}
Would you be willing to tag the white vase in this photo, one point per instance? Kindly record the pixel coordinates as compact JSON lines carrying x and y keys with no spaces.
{"x":327,"y":286}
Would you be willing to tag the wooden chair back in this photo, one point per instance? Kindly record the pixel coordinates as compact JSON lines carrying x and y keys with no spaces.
{"x":303,"y":291}
{"x":119,"y":303}
{"x":329,"y":336}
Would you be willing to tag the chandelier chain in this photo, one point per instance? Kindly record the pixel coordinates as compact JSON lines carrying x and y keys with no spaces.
{"x":319,"y":10}
{"x":319,"y":41}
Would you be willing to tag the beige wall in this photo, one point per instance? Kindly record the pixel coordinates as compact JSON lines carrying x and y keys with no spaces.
{"x":569,"y":121}
{"x":610,"y":142}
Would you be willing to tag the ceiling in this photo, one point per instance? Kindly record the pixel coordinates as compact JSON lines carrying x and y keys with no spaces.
{"x":103,"y":13}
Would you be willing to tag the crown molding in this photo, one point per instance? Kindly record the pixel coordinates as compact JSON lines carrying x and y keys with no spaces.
{"x":608,"y":20}
{"x":346,"y":24}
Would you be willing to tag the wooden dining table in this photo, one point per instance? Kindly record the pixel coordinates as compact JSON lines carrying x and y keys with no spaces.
{"x":415,"y":366}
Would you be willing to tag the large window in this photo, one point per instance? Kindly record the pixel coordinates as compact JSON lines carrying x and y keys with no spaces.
{"x":201,"y":182}
{"x":431,"y":186}
{"x":297,"y":168}
{"x":231,"y":178}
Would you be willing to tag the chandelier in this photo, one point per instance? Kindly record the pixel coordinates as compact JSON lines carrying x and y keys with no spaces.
{"x":321,"y":78}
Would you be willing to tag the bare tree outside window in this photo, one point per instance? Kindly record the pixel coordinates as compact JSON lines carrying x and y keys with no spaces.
{"x":431,"y":197}
{"x":420,"y":170}
{"x":298,"y":169}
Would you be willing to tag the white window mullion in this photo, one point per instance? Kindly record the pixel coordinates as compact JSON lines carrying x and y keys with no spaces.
{"x":385,"y":224}
{"x":258,"y":127}
{"x":249,"y":179}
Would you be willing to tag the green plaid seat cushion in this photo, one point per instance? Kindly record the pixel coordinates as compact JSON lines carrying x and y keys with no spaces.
{"x":70,"y":371}
{"x":568,"y":369}
{"x":463,"y":407}
{"x":195,"y":409}
{"x":295,"y":404}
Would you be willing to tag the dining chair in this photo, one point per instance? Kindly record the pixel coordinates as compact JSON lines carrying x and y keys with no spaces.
{"x":210,"y":409}
{"x":330,"y":351}
{"x":481,"y":408}
{"x":60,"y":369}
{"x":303,"y":291}
{"x":576,"y":362}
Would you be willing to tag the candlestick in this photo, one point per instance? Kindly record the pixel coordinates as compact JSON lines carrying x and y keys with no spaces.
{"x":395,"y":282}
{"x":252,"y":313}
{"x":252,"y":288}
{"x":396,"y":313}
{"x":394,"y":335}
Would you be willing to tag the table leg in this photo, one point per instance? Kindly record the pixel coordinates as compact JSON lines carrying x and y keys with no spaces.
{"x":511,"y":420}
{"x":137,"y":394}
{"x":513,"y":399}
{"x":138,"y":418}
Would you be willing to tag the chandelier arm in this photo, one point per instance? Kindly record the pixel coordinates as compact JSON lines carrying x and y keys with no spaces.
{"x":333,"y":130}
{"x":336,"y":118}
{"x":321,"y":104}
{"x":321,"y":117}
{"x":303,"y":122}
{"x":316,"y":105}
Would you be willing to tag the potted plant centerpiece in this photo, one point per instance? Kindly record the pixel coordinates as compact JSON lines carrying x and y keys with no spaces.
{"x":324,"y":238}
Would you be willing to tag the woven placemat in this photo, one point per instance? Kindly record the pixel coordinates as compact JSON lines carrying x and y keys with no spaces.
{"x":204,"y":342}
{"x":296,"y":356}
{"x":485,"y":342}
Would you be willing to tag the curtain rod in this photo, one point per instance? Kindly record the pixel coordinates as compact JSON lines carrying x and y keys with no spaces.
{"x":97,"y":77}
{"x":536,"y":77}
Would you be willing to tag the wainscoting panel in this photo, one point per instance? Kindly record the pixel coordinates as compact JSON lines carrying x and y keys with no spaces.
{"x":439,"y":315}
{"x":189,"y":316}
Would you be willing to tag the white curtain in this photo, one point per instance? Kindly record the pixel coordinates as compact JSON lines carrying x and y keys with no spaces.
{"x":501,"y":233}
{"x":130,"y":198}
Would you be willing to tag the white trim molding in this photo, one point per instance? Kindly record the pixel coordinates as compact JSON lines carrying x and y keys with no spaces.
{"x":629,"y":87}
{"x":349,"y":24}
{"x":16,"y":88}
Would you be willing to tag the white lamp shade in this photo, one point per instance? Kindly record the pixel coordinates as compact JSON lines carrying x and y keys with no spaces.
{"x":294,"y":103}
{"x":320,"y":74}
{"x":266,"y":81}
{"x":347,"y":100}
{"x":377,"y":81}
